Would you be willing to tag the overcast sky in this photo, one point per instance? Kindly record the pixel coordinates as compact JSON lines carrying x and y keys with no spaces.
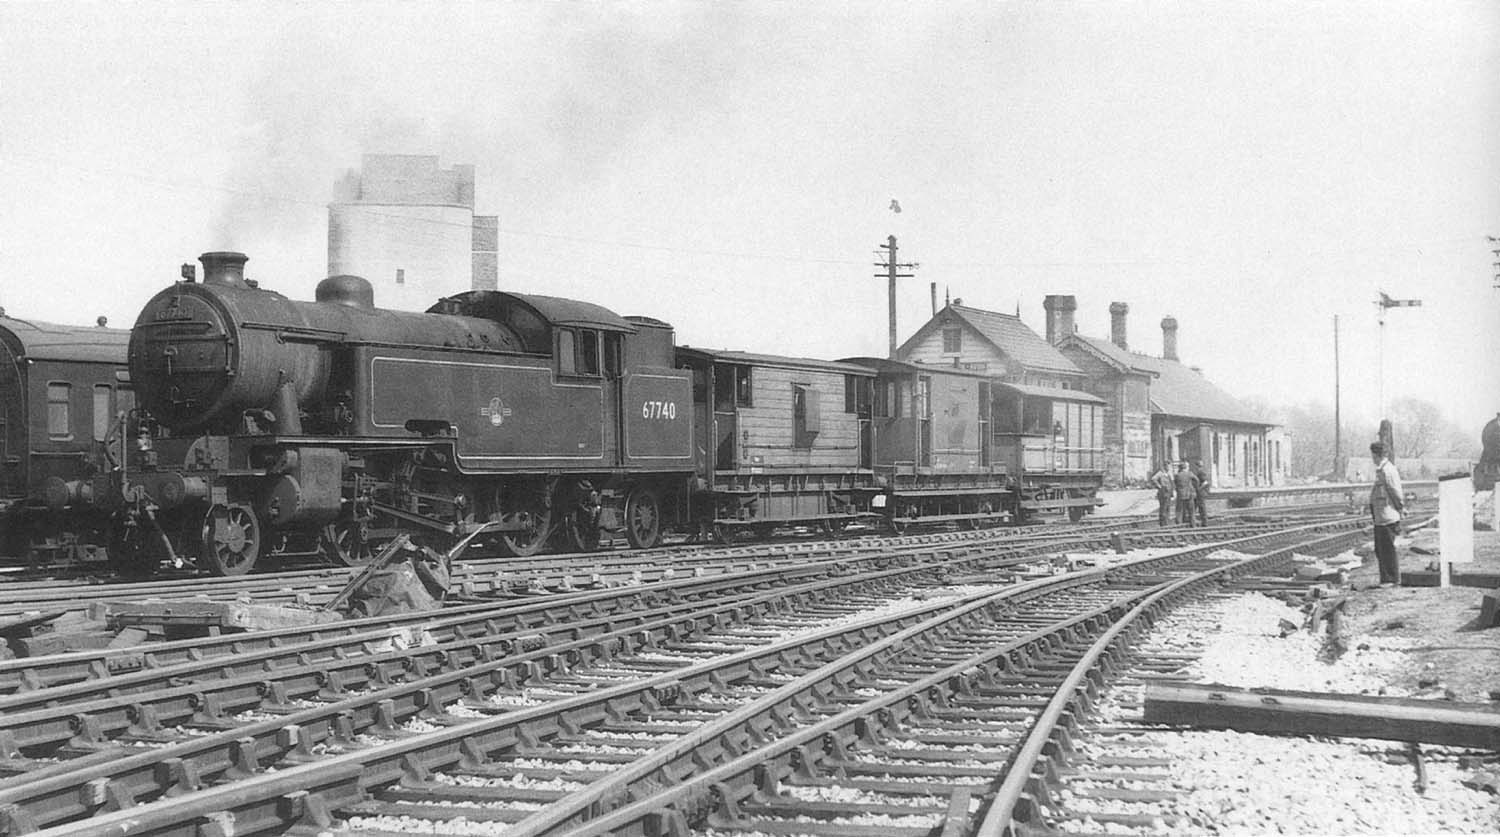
{"x":1253,"y":169}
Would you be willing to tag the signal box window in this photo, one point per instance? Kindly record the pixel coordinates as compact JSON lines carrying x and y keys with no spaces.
{"x":953,"y":340}
{"x":58,"y":422}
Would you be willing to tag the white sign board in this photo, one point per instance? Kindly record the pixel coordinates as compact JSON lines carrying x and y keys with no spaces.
{"x":1456,"y":519}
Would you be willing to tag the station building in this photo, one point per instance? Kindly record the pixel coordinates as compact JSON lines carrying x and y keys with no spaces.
{"x":1157,"y":410}
{"x":408,"y":226}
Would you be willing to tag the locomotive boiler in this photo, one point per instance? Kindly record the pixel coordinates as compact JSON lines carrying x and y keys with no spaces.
{"x":275,"y":426}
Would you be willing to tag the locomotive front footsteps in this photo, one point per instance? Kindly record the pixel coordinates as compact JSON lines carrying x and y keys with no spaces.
{"x":277,"y":427}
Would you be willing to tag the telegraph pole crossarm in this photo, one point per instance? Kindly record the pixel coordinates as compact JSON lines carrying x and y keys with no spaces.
{"x":892,"y":273}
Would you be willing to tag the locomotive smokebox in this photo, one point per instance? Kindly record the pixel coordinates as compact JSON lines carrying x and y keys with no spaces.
{"x":224,"y":267}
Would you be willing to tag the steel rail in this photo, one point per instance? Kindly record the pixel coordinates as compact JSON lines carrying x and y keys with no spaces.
{"x":1082,"y":686}
{"x":441,"y":750}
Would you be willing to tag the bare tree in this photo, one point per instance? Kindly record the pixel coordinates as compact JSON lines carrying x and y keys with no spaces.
{"x":1421,"y":429}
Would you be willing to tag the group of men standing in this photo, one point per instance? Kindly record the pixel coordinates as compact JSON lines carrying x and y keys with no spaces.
{"x":1189,"y":487}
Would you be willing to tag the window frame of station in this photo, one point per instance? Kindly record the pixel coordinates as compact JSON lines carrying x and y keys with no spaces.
{"x":953,"y":340}
{"x":587,"y":353}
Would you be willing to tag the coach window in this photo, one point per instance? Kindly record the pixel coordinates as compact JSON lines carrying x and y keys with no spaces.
{"x":103,"y":415}
{"x":58,"y":425}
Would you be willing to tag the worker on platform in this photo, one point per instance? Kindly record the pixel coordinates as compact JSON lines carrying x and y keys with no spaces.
{"x":1386,"y":505}
{"x":1162,"y":482}
{"x":1187,"y":492}
{"x":1200,"y":500}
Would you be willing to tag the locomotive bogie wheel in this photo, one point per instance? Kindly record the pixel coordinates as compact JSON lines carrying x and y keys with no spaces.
{"x":230,"y":540}
{"x":642,"y":518}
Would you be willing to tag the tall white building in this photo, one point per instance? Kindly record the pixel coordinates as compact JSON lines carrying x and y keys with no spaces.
{"x":409,"y":227}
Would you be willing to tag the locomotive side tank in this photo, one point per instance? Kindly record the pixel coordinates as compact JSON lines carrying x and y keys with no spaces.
{"x":333,"y":425}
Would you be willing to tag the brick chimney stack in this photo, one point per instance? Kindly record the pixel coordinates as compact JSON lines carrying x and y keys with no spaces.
{"x":1169,"y":337}
{"x":1059,"y":310}
{"x":1117,"y":312}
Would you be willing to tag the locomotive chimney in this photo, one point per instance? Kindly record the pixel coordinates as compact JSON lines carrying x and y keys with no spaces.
{"x":1117,"y":312}
{"x":1059,"y":308}
{"x":224,"y":268}
{"x":1169,"y":337}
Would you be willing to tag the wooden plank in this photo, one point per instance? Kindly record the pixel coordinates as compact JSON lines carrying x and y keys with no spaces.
{"x":1278,"y":712}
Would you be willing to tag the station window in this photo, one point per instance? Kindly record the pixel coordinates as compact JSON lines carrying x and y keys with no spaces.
{"x":953,"y":340}
{"x":58,"y":422}
{"x":103,"y":414}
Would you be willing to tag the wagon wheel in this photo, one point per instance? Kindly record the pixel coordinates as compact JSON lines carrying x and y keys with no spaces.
{"x":230,"y":540}
{"x":642,"y":518}
{"x":1077,"y":513}
{"x":834,"y":528}
{"x":973,"y":523}
{"x":726,"y":533}
{"x":582,"y":531}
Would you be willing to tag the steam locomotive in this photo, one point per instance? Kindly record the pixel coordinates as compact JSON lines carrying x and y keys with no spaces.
{"x":268,"y":427}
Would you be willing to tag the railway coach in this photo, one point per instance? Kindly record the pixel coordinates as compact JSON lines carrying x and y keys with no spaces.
{"x":63,"y":392}
{"x":280,"y":427}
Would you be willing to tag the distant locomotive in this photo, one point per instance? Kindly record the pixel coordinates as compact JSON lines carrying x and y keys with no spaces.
{"x":64,"y":392}
{"x":287,"y":427}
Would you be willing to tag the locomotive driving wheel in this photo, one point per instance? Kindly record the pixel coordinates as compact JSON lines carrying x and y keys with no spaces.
{"x":642,"y":518}
{"x":347,"y":542}
{"x":230,"y":539}
{"x":582,"y":530}
{"x":527,"y":509}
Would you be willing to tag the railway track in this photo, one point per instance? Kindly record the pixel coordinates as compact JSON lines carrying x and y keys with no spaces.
{"x":497,"y":577}
{"x":749,"y":679}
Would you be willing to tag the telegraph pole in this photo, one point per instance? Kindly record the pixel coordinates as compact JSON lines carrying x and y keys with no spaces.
{"x":892,"y":273}
{"x":1338,"y":423}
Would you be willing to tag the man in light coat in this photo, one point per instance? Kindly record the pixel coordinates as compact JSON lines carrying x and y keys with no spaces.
{"x":1386,"y":505}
